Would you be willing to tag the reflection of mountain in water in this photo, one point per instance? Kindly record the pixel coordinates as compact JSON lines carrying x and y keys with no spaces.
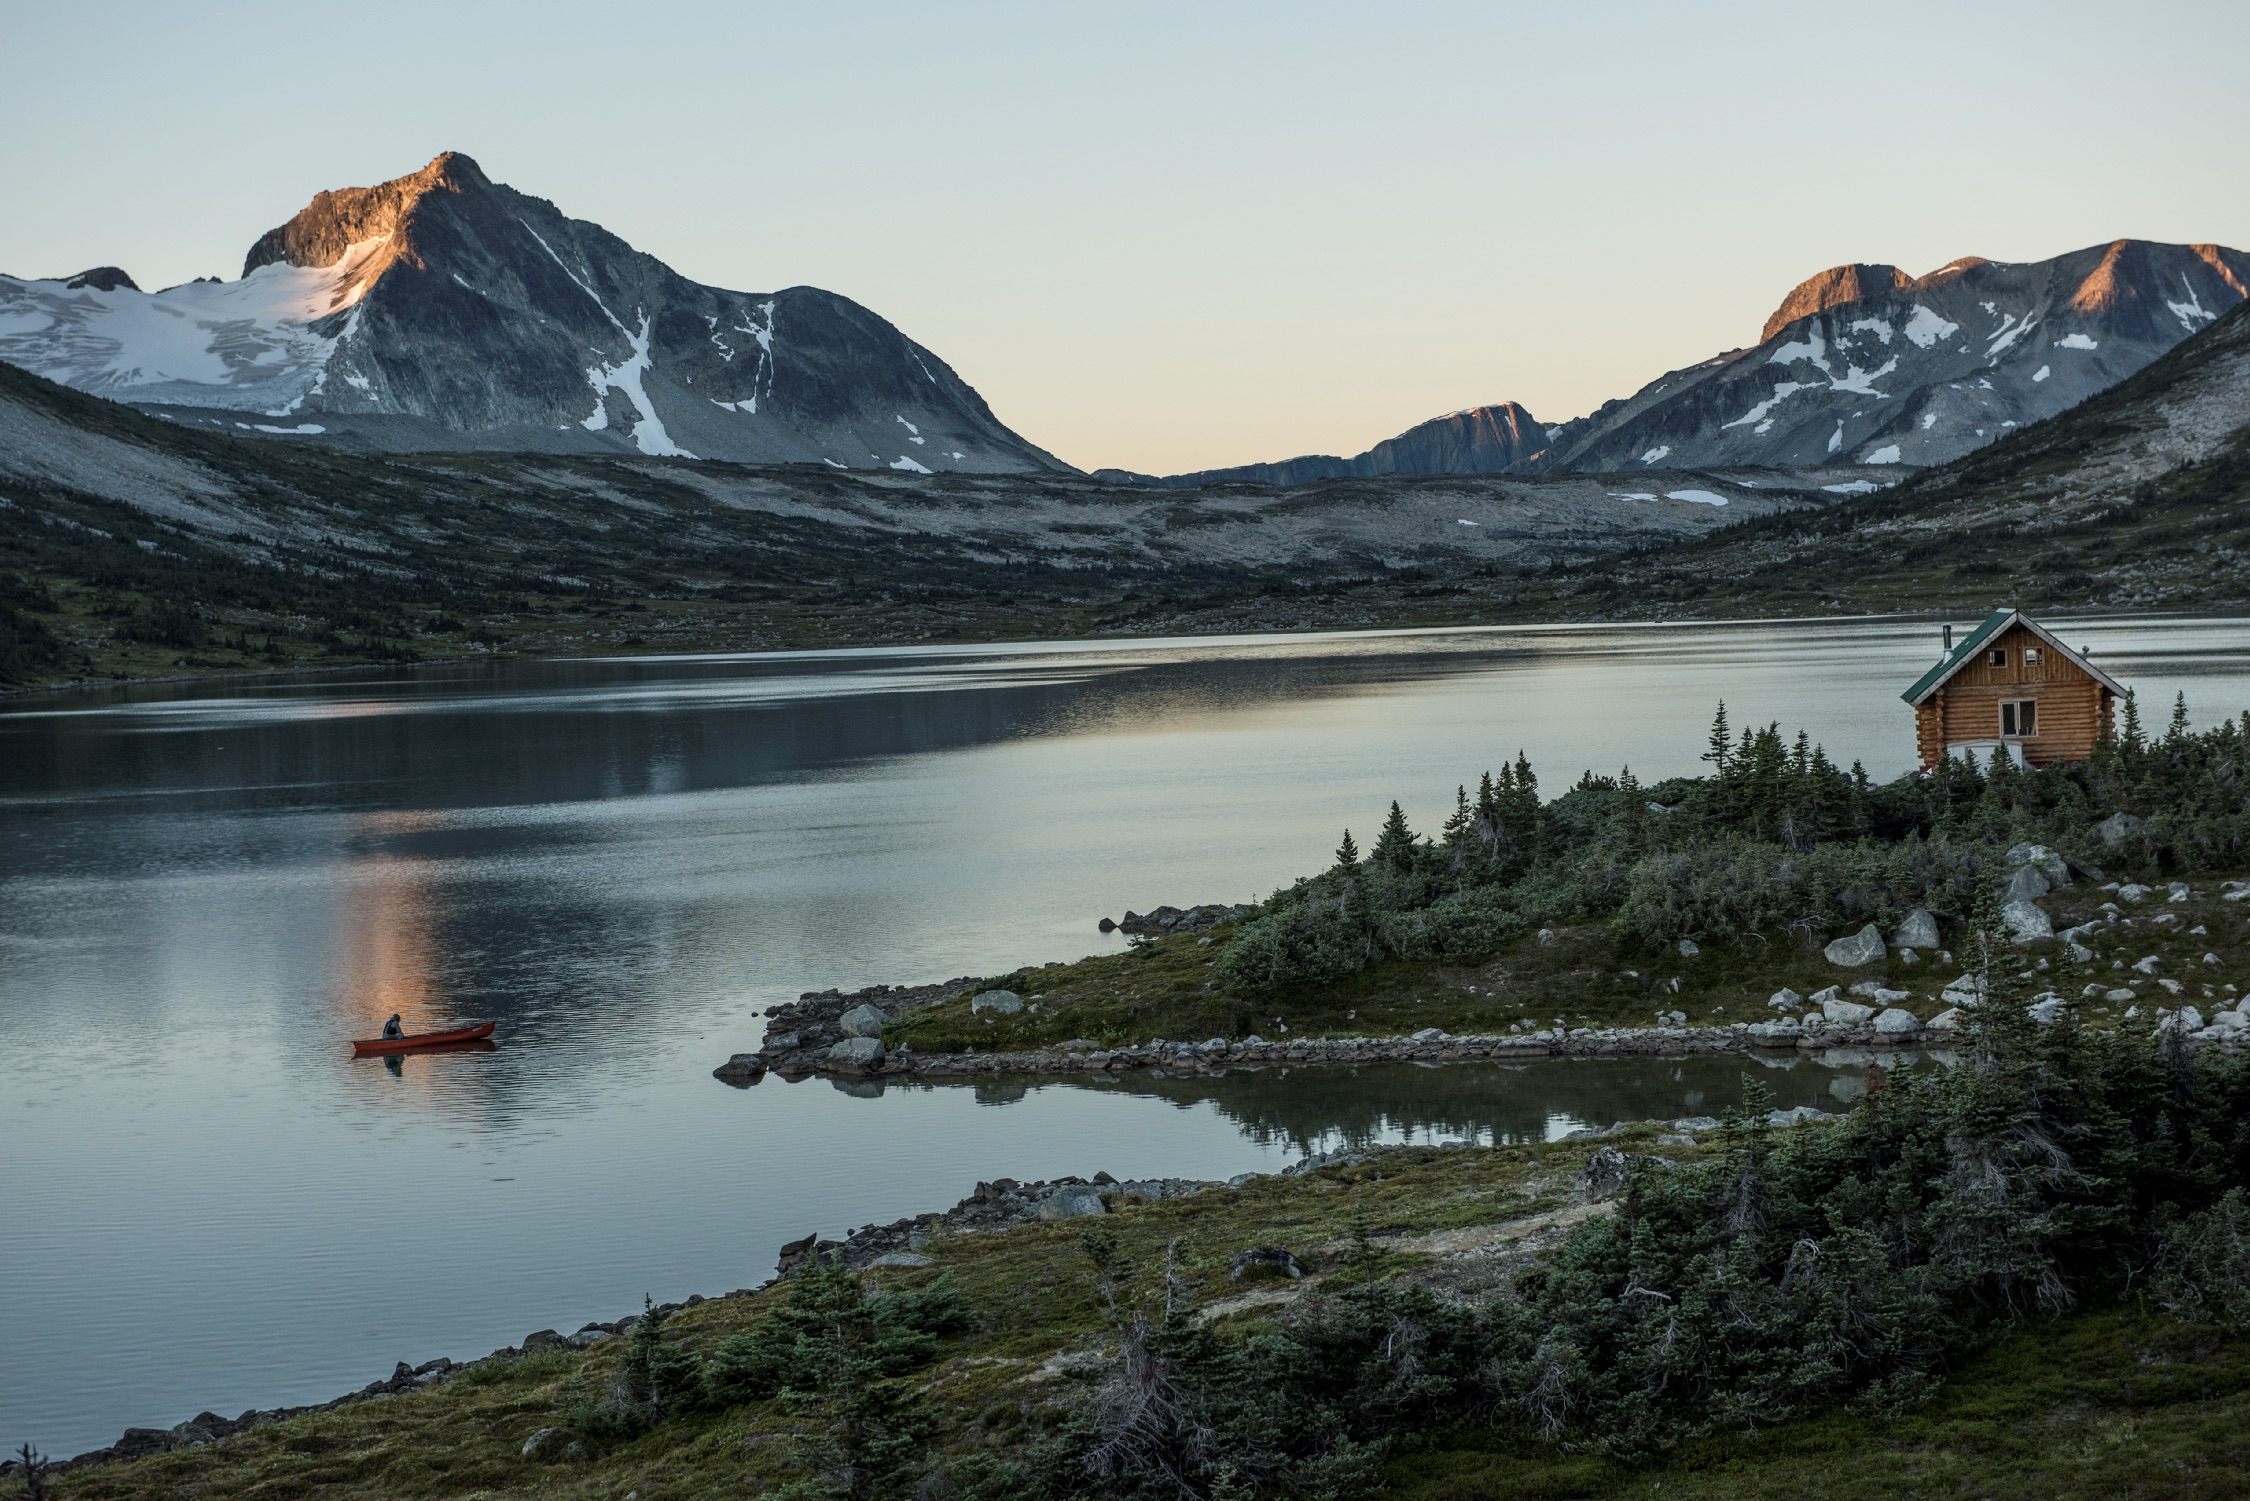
{"x":1309,"y":1108}
{"x":530,"y":733}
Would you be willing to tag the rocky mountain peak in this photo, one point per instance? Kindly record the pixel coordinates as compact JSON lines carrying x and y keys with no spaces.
{"x":340,"y":218}
{"x":101,"y":279}
{"x":1832,"y":288}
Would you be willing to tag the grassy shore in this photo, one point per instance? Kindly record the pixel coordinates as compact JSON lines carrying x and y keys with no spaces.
{"x":2114,"y":1399}
{"x":1585,"y":974}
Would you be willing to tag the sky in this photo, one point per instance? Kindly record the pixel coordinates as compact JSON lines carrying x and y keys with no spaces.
{"x":1169,"y":237}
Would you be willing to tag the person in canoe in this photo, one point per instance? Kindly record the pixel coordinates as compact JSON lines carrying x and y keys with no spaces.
{"x":392,"y":1028}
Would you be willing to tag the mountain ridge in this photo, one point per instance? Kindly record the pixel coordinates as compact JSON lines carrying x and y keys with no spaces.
{"x":443,"y":311}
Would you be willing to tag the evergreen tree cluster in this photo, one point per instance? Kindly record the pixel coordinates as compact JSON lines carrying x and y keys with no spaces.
{"x":1774,"y":836}
{"x":1793,"y":1270}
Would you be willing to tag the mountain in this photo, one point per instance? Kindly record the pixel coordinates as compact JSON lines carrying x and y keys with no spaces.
{"x":1503,"y":439}
{"x":1859,"y":365}
{"x":1866,"y":364}
{"x":445,"y":311}
{"x":2135,"y":499}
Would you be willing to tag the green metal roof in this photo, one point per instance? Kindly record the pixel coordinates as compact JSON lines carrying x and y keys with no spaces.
{"x":1947,"y":664}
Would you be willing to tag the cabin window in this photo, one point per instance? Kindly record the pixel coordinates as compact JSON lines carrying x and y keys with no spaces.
{"x":2019,"y":719}
{"x":1997,"y":657}
{"x":2031,"y":656}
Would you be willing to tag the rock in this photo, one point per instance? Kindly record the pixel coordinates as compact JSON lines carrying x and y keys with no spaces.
{"x":2133,"y":894}
{"x":1863,"y":947}
{"x":1676,"y":1018}
{"x":1824,"y":996}
{"x":998,"y":1002}
{"x":1842,"y":1013}
{"x":543,"y":1339}
{"x":553,"y":1446}
{"x":1107,"y":925}
{"x":862,"y":1021}
{"x":1546,"y":935}
{"x":1918,"y":931}
{"x":2078,"y":952}
{"x":2146,"y":964}
{"x":1948,"y":1020}
{"x":2028,"y":884}
{"x":1070,"y":1203}
{"x":859,"y":1054}
{"x":2119,"y":994}
{"x":2042,"y":859}
{"x":904,"y":1258}
{"x":1604,"y":1174}
{"x":2178,"y":891}
{"x":2213,"y":961}
{"x":2117,"y":828}
{"x":742,"y":1068}
{"x":2027,"y":922}
{"x":1264,"y":1261}
{"x":1429,"y":1034}
{"x":1688,"y":949}
{"x":1785,"y":999}
{"x":1896,"y":1019}
{"x":2045,"y":1011}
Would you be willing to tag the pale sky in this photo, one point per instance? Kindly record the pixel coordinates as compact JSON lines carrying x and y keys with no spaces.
{"x":1168,"y":237}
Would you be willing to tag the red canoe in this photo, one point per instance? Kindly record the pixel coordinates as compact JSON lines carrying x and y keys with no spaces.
{"x":374,"y":1046}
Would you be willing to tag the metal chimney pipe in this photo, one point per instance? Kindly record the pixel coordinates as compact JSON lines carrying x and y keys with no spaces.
{"x":1949,"y":640}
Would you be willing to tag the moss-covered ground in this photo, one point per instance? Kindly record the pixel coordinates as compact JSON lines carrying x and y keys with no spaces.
{"x":1590,"y":974}
{"x":2113,"y":1401}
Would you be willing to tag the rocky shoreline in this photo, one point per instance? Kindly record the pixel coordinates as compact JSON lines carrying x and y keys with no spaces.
{"x":990,"y":1206}
{"x":835,"y":1032}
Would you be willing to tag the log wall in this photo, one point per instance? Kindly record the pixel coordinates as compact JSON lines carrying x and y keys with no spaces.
{"x":2073,"y":705}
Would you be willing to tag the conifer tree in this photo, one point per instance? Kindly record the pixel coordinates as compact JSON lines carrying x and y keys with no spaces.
{"x":2131,"y":741}
{"x":1722,"y":741}
{"x":1347,"y":854}
{"x":1394,"y":847}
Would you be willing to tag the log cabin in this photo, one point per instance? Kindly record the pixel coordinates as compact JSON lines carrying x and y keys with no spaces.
{"x":2012,"y":684}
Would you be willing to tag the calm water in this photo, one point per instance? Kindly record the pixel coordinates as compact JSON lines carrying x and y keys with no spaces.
{"x":204,"y":891}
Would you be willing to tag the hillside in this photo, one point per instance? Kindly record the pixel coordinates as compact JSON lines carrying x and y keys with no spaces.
{"x":2134,"y":499}
{"x":135,"y":546}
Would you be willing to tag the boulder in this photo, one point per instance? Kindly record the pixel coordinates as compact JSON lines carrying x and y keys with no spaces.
{"x":1265,"y":1261}
{"x":1863,"y":947}
{"x":1918,"y":931}
{"x":1893,"y":1020}
{"x":2042,"y":859}
{"x":2119,"y":994}
{"x":2132,"y":893}
{"x":2045,"y":1010}
{"x":998,"y":1002}
{"x":1824,"y":996}
{"x":542,"y":1339}
{"x":1947,"y":1020}
{"x":2117,"y":828}
{"x":2028,"y":884}
{"x":903,"y":1259}
{"x":2027,"y":922}
{"x":1843,"y":1013}
{"x":1787,"y":1000}
{"x":1604,"y":1173}
{"x":553,"y":1446}
{"x":1688,"y":949}
{"x":1429,"y":1034}
{"x":857,"y":1054}
{"x":1072,"y":1202}
{"x":742,"y":1068}
{"x":862,"y":1021}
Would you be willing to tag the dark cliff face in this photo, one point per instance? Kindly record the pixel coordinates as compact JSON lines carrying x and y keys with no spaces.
{"x":442,"y":309}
